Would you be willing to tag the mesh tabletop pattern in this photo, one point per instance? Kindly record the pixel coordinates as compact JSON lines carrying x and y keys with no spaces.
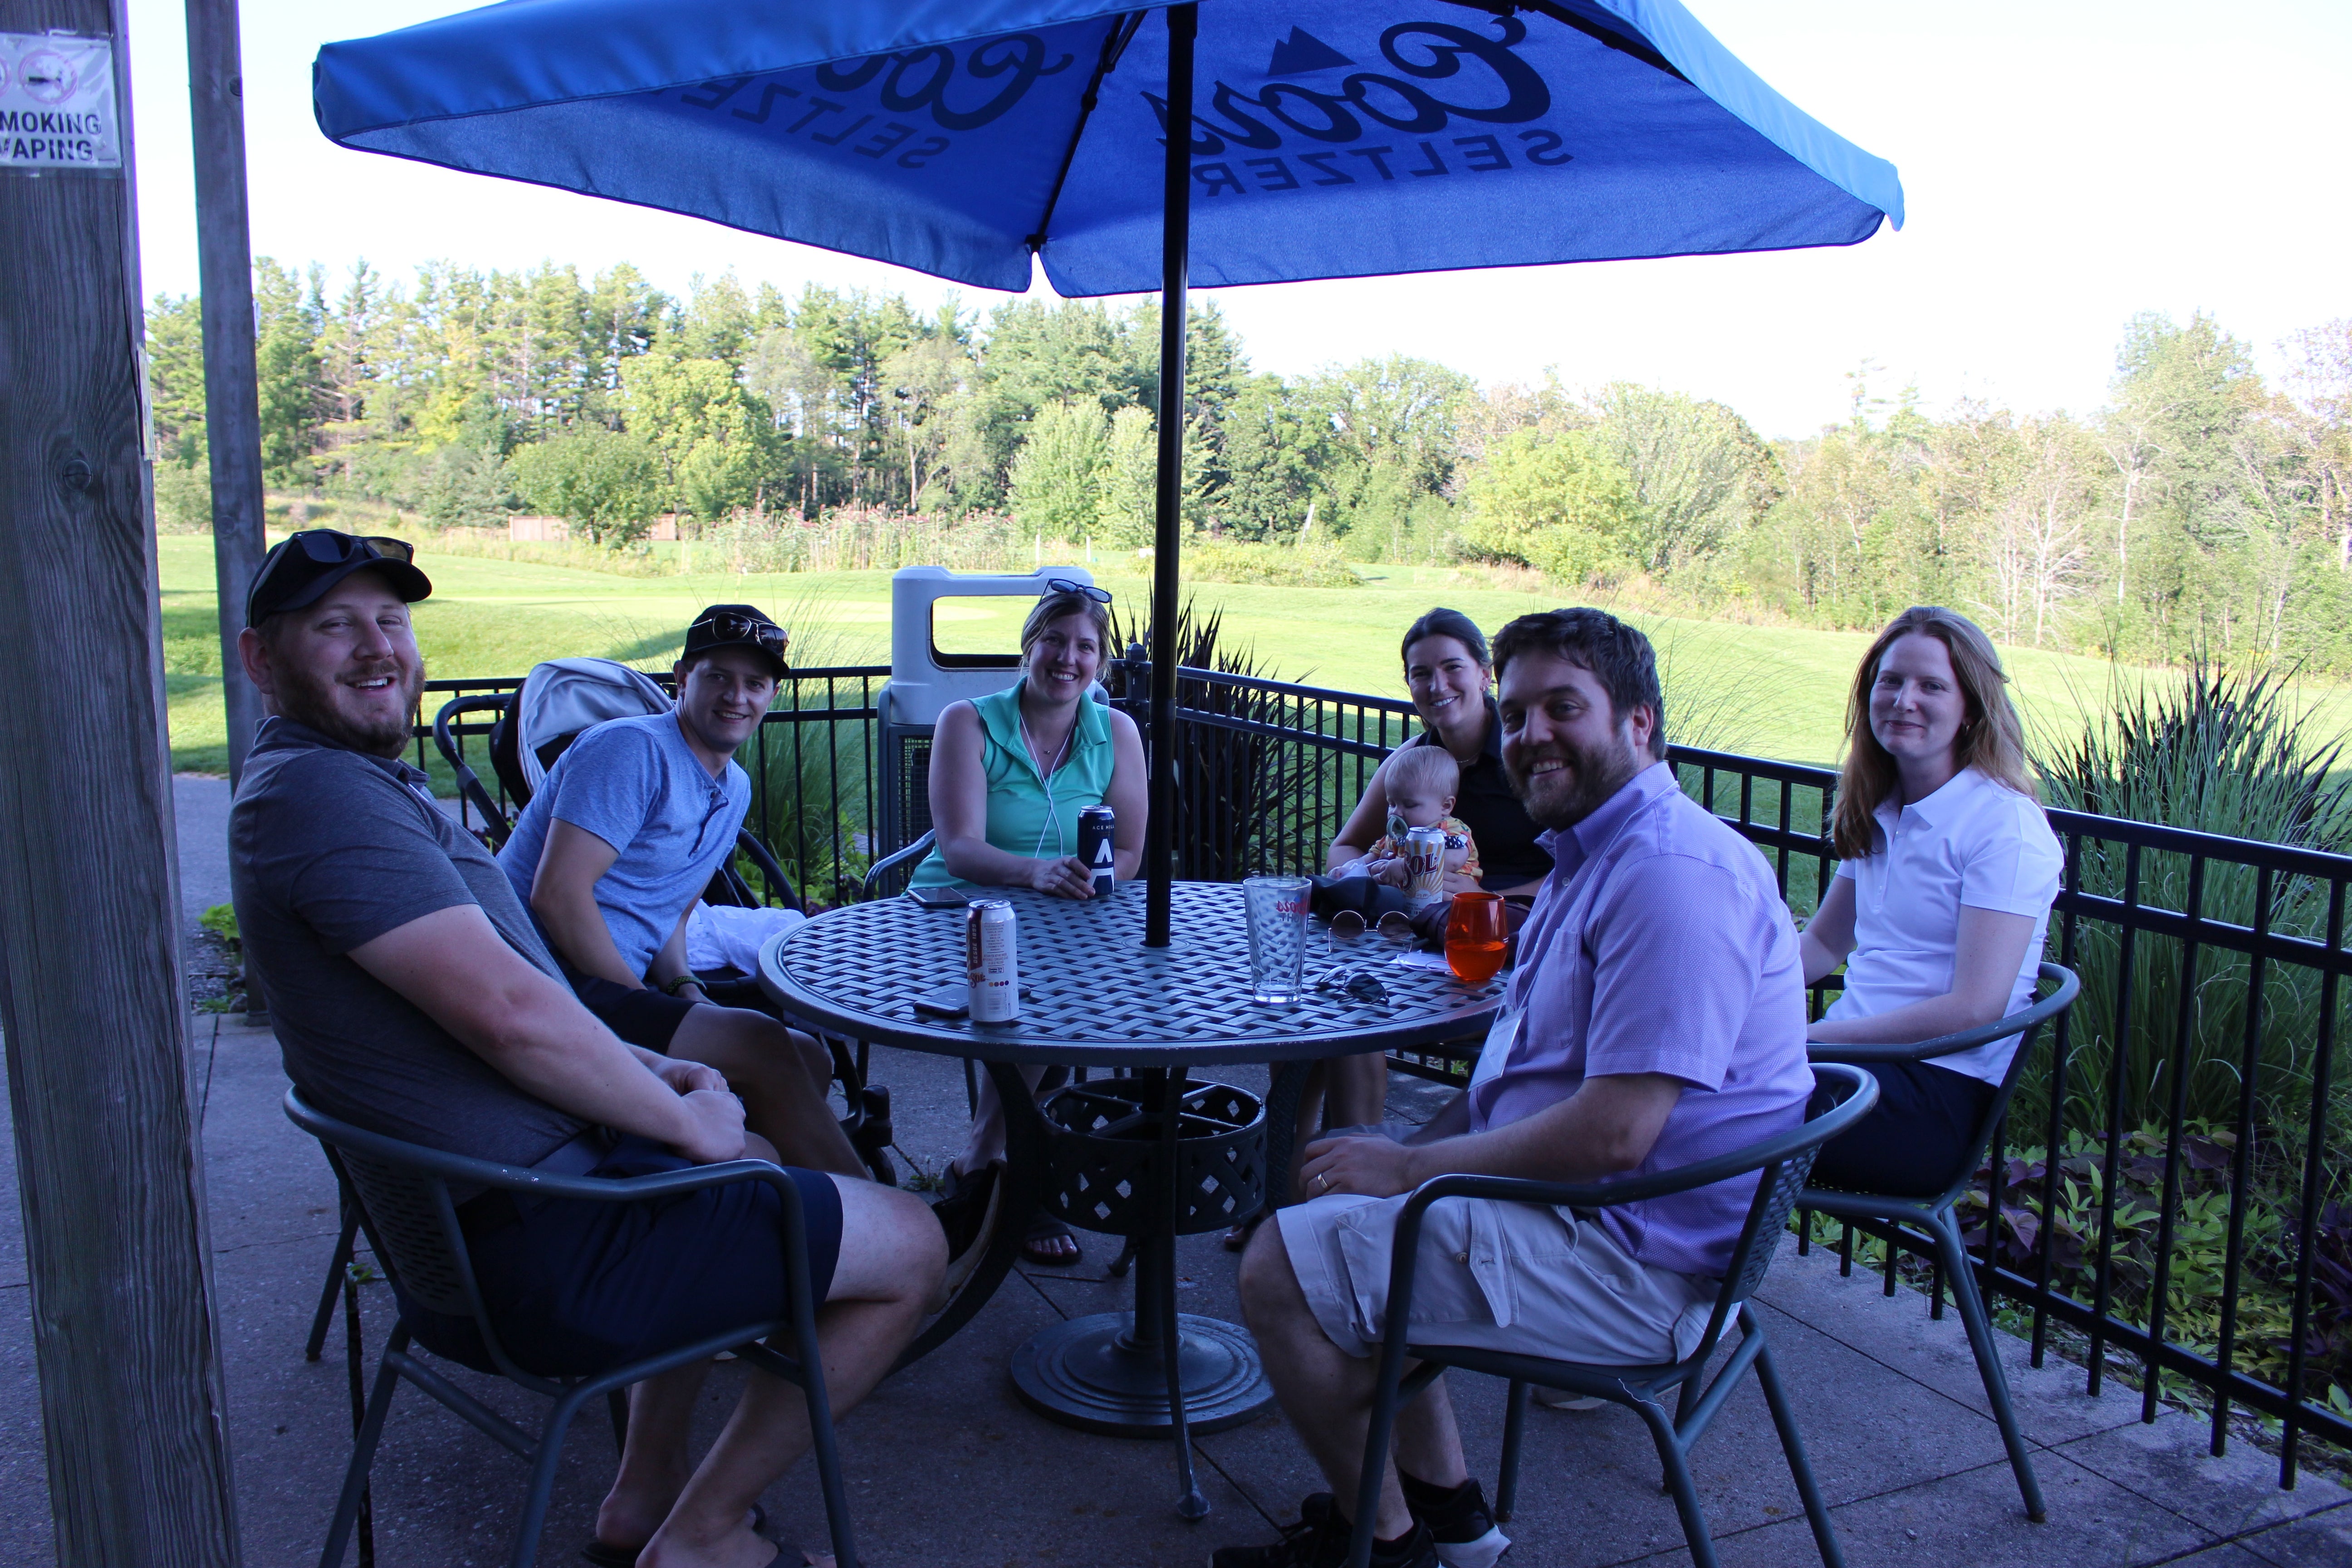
{"x":1092,"y":994}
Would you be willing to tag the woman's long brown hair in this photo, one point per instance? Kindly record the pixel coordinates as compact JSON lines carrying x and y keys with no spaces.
{"x":1991,"y":739}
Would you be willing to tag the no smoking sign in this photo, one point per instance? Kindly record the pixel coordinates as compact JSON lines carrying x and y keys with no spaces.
{"x":57,"y":102}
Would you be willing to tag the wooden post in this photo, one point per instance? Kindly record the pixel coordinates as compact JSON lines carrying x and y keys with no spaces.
{"x":93,"y":1002}
{"x":231,"y":403}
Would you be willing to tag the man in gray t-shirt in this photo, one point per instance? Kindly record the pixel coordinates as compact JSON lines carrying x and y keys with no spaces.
{"x":328,"y":849}
{"x":412,"y":997}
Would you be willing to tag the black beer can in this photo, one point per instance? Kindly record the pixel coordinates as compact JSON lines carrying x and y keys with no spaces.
{"x":1096,"y":824}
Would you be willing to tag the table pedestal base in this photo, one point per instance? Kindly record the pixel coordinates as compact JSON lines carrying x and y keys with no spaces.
{"x":1092,"y":1373}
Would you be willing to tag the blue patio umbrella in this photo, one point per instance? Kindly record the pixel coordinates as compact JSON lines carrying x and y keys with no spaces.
{"x":961,"y":138}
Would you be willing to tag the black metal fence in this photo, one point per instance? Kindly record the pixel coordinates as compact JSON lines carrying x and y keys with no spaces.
{"x":2169,"y":1192}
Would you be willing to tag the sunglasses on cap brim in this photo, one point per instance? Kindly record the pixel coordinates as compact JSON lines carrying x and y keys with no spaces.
{"x":327,"y":547}
{"x":729,"y":626}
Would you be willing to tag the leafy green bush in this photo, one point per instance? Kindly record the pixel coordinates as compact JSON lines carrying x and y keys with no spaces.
{"x":221,"y":921}
{"x":183,"y":497}
{"x":605,"y":483}
{"x":2197,"y":1278}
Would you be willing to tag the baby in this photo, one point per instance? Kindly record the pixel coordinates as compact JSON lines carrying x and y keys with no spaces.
{"x":1422,"y":781}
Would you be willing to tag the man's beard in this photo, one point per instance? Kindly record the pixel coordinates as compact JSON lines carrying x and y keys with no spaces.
{"x":1592,"y":776}
{"x":307,"y":698}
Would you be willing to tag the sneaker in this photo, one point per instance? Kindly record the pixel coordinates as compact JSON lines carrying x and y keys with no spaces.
{"x":1321,"y":1540}
{"x":1462,"y":1528}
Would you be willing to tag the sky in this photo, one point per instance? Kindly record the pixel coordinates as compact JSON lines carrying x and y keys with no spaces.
{"x":2066,"y":164}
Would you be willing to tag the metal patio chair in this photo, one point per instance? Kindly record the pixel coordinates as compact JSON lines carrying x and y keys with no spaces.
{"x":1934,"y":1215}
{"x":401,"y":1194}
{"x":885,"y":876}
{"x":1841,"y":1096}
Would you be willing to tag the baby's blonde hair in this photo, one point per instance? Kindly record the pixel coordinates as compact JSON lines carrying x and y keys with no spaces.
{"x":1430,"y":768}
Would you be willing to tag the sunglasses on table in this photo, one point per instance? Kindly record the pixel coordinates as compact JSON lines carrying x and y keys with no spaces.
{"x":1085,"y":590}
{"x":729,"y":626}
{"x":1357,"y":984}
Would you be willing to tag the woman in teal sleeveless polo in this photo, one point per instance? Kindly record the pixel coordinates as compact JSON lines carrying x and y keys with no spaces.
{"x":1010,"y":773}
{"x":1028,"y":814}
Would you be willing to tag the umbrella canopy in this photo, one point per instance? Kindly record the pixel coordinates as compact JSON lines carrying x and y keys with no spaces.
{"x":1330,"y":137}
{"x":1325,"y":138}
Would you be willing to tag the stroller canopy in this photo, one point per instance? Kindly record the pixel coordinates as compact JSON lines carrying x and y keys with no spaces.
{"x":565,"y":696}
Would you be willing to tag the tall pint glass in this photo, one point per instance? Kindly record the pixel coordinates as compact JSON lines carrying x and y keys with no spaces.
{"x":1276,"y":910}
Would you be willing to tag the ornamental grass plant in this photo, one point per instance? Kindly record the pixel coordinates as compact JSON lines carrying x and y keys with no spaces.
{"x":2222,"y":751}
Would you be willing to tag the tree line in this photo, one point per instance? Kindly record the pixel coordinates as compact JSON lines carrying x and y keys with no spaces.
{"x":2200,"y":507}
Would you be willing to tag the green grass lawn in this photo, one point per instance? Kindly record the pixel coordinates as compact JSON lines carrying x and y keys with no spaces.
{"x":1774,"y":692}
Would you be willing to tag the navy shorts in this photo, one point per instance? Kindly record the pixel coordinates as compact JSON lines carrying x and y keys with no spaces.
{"x":574,"y":1287}
{"x":641,"y":1015}
{"x":1914,"y":1143}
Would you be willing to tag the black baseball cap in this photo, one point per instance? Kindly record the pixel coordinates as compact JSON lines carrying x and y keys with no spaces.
{"x":302,"y":566}
{"x":738,"y":626}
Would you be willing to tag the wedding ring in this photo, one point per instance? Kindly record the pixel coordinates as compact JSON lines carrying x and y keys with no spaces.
{"x":1323,"y":1180}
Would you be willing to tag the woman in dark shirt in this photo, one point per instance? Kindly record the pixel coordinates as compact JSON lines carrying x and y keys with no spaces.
{"x":1451,"y":679}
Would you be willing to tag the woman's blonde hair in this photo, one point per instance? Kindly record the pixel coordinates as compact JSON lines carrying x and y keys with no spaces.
{"x":1052,"y":606}
{"x":1991,"y":739}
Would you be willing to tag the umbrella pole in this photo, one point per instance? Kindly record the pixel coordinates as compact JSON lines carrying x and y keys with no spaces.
{"x":1175,"y":250}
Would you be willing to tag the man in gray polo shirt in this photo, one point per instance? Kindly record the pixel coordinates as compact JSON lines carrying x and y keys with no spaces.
{"x":1655,"y":1018}
{"x":411,"y":995}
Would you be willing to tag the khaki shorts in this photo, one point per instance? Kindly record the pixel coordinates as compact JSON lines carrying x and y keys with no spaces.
{"x":1499,"y":1276}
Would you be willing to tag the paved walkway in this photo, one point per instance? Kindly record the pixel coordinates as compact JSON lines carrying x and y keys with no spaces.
{"x":946,"y":1469}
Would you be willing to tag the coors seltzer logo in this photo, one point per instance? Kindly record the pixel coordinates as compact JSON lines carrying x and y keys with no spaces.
{"x":957,"y":92}
{"x":1485,"y":83}
{"x":1358,"y":113}
{"x":1439,"y":74}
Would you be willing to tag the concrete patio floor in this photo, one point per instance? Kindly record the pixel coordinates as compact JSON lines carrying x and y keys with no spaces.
{"x":946,"y":1468}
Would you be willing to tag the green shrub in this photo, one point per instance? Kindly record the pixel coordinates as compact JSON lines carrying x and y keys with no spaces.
{"x":183,"y":497}
{"x":1267,"y":565}
{"x":221,"y":921}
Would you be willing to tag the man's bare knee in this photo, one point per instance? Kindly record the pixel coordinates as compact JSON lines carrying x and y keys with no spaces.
{"x":892,"y":1247}
{"x":1269,"y":1286}
{"x":813,"y":1057}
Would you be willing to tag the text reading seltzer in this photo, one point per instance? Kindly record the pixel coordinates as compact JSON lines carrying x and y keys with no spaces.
{"x":57,"y":102}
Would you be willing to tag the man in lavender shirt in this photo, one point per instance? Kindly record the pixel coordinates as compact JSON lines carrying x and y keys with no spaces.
{"x":1656,"y":1017}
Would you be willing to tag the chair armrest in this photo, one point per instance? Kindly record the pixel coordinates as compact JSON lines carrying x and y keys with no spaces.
{"x":2048,"y":1008}
{"x":749,"y":843}
{"x":891,"y":862}
{"x":1860,"y":1095}
{"x":465,"y":1171}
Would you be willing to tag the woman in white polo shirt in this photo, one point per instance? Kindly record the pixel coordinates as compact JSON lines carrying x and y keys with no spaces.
{"x":1946,"y":869}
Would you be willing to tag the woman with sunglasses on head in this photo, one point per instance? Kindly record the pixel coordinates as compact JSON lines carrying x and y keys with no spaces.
{"x":1946,"y":872}
{"x":1009,"y":774}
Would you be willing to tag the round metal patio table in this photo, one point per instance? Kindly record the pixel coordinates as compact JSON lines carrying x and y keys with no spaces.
{"x":1094,"y":995}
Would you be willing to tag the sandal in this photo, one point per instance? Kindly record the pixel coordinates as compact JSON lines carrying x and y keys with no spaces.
{"x":1038,"y":1248}
{"x":1237,"y":1236}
